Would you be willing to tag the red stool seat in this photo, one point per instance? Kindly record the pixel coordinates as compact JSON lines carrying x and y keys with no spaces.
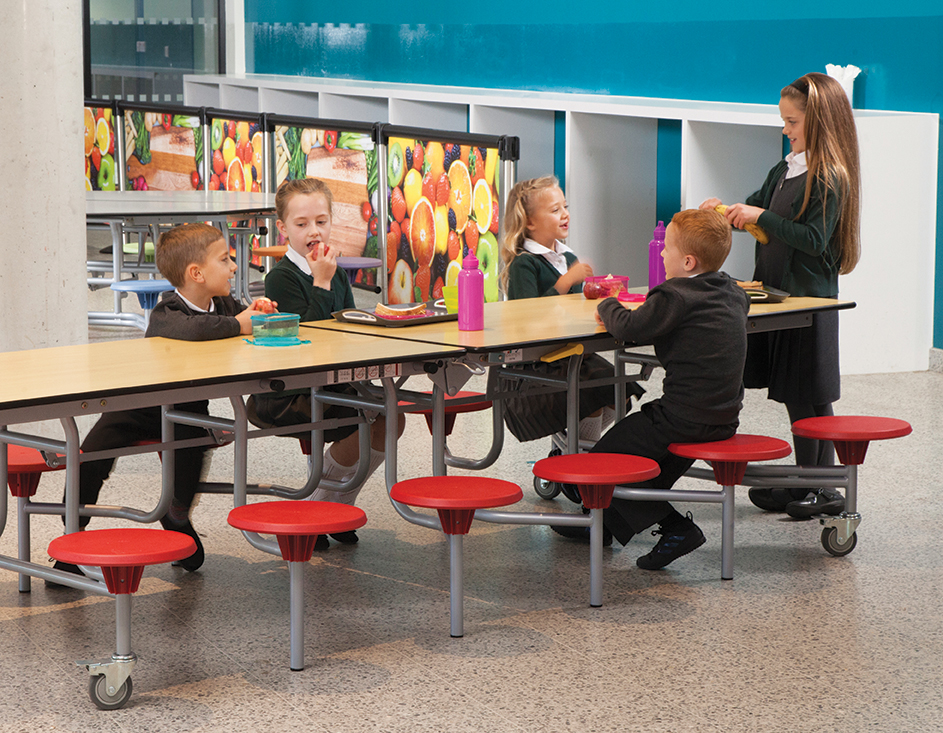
{"x":729,"y":457}
{"x":122,"y":553}
{"x":24,"y":466}
{"x":456,"y":497}
{"x":452,"y":409}
{"x":596,"y":474}
{"x":851,"y":433}
{"x":296,"y":524}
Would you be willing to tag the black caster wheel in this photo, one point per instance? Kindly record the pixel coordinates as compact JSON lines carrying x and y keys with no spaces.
{"x":833,"y":546}
{"x":546,"y":489}
{"x":98,"y":691}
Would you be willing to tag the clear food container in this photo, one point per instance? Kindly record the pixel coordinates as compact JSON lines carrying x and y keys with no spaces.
{"x":275,"y":326}
{"x":604,"y":286}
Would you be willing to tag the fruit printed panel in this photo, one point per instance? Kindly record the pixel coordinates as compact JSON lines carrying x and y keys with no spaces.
{"x":100,"y":173}
{"x":236,"y":162}
{"x":443,"y":206}
{"x":347,"y":162}
{"x":163,"y":151}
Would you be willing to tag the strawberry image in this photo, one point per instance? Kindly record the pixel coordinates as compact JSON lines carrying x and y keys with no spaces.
{"x":428,"y":186}
{"x":417,"y":158}
{"x":437,"y":288}
{"x":471,"y":239}
{"x":398,"y":204}
{"x":494,"y":218}
{"x":423,"y":278}
{"x":442,"y":190}
{"x":455,"y":246}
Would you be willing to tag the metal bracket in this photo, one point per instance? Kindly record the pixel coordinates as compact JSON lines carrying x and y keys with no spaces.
{"x":846,"y":524}
{"x":116,"y":670}
{"x":453,"y":376}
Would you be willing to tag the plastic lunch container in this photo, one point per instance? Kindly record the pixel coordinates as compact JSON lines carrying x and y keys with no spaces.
{"x":604,"y":286}
{"x":275,"y":325}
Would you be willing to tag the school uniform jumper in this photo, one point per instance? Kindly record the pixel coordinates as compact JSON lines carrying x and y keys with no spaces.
{"x":171,"y":318}
{"x":528,"y":418}
{"x":294,"y":292}
{"x":698,"y":328}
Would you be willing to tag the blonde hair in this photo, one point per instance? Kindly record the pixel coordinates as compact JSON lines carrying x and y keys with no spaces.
{"x":299,"y":187}
{"x":704,"y":234}
{"x":832,"y":156}
{"x":182,"y":246}
{"x":519,"y":207}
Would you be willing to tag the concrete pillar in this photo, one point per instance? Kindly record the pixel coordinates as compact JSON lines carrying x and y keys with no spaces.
{"x":42,"y":176}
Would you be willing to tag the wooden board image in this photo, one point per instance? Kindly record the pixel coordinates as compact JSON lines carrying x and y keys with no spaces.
{"x":345,"y":171}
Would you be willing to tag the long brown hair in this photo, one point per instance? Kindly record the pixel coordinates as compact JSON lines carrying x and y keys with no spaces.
{"x":520,"y":203}
{"x":832,"y":155}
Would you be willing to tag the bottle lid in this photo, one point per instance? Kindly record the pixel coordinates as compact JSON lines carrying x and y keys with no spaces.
{"x":659,"y":232}
{"x":470,"y":263}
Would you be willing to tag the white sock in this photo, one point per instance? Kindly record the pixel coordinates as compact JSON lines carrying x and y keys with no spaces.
{"x":591,"y":428}
{"x":608,"y":417}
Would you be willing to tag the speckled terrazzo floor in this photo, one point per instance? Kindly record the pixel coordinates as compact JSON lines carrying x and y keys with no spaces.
{"x":798,"y":641}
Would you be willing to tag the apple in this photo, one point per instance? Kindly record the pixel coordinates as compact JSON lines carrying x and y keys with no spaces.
{"x":488,"y":263}
{"x":591,"y":291}
{"x":106,"y":174}
{"x":401,"y":284}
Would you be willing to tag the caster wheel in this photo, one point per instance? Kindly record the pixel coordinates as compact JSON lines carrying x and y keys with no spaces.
{"x":98,"y":691}
{"x":833,"y":547}
{"x":546,"y":489}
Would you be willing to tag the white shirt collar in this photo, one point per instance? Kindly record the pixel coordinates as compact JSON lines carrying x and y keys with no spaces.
{"x":555,"y":258}
{"x":298,"y":259}
{"x":193,"y":307}
{"x":796,"y":164}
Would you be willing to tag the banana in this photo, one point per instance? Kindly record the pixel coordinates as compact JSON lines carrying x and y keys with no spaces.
{"x":755,"y":230}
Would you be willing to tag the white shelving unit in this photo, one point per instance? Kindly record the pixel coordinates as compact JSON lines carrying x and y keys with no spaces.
{"x":611,"y":179}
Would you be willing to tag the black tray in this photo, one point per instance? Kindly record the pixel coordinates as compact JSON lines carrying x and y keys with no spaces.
{"x":435,"y":312}
{"x":766,"y":294}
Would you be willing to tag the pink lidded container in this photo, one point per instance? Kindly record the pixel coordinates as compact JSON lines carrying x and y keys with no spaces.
{"x":604,"y":286}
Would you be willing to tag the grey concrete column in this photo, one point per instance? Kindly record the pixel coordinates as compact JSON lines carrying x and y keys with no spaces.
{"x":42,"y":176}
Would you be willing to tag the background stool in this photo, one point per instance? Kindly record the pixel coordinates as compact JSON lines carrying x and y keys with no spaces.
{"x":729,"y":460}
{"x":25,"y":466}
{"x":122,"y":555}
{"x":596,"y":475}
{"x":453,"y":407}
{"x":350,"y":265}
{"x":296,"y":525}
{"x":148,"y":291}
{"x":456,"y":498}
{"x":850,"y":435}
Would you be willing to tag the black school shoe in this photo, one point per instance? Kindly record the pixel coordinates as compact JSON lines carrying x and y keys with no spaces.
{"x":684,"y":537}
{"x":346,"y":538}
{"x":771,"y":500}
{"x":65,"y":567}
{"x":824,"y":501}
{"x":194,"y":561}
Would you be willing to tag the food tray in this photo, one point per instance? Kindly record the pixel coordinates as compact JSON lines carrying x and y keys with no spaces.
{"x":435,"y":312}
{"x":766,"y":294}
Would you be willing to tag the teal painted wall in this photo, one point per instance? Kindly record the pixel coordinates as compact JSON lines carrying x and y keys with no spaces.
{"x":681,"y":50}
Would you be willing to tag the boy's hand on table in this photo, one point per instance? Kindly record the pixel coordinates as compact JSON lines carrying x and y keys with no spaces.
{"x":599,"y":319}
{"x":259,"y":305}
{"x":263,"y":305}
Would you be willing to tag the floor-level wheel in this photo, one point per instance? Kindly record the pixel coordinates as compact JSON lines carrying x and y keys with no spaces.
{"x":98,"y":691}
{"x":833,"y":546}
{"x":546,"y":489}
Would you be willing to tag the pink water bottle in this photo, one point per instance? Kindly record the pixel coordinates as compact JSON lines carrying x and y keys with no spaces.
{"x":656,"y":265}
{"x":471,"y":296}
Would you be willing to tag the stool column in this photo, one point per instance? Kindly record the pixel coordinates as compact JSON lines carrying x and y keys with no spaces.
{"x":595,"y":558}
{"x":22,"y":539}
{"x":296,"y":583}
{"x":456,"y":585}
{"x":851,"y":491}
{"x":726,"y":532}
{"x":123,"y":625}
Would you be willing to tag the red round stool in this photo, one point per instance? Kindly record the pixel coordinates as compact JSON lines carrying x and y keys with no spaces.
{"x":296,"y":525}
{"x":122,"y":555}
{"x":850,"y":435}
{"x":453,"y":408}
{"x":729,"y":459}
{"x":456,"y":498}
{"x":596,"y":475}
{"x":25,"y":467}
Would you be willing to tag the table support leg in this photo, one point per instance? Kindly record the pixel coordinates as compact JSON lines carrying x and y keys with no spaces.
{"x":296,"y":581}
{"x":456,"y":585}
{"x":595,"y":558}
{"x":22,"y":539}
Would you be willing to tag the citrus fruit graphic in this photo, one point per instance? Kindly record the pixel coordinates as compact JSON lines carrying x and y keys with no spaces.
{"x":422,"y":232}
{"x":103,"y":135}
{"x":482,"y":205}
{"x":89,"y":131}
{"x":236,"y":180}
{"x":460,"y":197}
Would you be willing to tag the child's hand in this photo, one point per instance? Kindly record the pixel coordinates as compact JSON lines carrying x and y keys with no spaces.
{"x":323,"y":263}
{"x":710,"y":203}
{"x":577,"y":273}
{"x":599,"y":319}
{"x":245,"y":321}
{"x":739,"y":215}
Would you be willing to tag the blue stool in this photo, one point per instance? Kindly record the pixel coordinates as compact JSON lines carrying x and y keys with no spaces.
{"x":148,"y":291}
